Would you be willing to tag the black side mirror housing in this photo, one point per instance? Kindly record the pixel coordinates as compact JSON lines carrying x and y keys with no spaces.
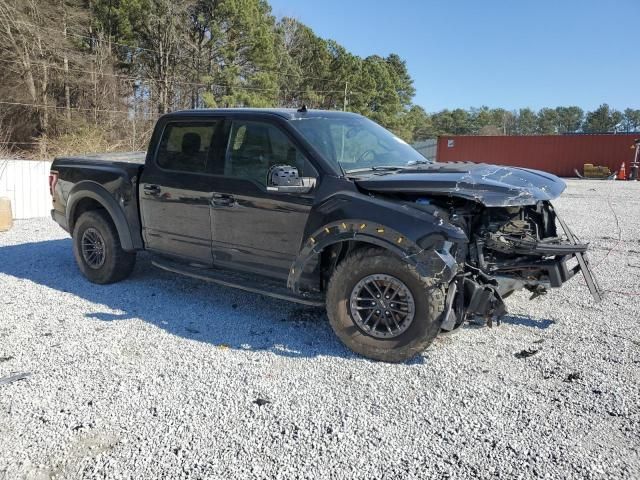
{"x":286,"y":179}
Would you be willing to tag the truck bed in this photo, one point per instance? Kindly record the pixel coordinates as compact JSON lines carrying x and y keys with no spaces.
{"x":111,"y":179}
{"x":112,"y":157}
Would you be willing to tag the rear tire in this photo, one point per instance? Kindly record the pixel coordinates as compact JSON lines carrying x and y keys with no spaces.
{"x":97,"y":249}
{"x":373,"y":264}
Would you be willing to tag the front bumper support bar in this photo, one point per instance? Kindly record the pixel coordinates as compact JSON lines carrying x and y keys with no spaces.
{"x":583,"y":263}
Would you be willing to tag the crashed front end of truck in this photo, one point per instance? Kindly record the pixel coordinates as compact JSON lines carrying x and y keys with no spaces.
{"x":510,"y":248}
{"x":515,"y":238}
{"x":479,"y":232}
{"x":493,"y":231}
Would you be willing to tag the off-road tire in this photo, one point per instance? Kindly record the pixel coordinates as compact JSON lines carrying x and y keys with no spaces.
{"x":118,"y":264}
{"x":429,"y":305}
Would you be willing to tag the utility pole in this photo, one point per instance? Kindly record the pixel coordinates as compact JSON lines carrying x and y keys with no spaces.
{"x":67,"y":91}
{"x":344,"y":105}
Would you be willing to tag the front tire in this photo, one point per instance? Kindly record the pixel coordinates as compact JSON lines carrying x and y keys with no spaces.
{"x":381,"y":308}
{"x":97,"y":249}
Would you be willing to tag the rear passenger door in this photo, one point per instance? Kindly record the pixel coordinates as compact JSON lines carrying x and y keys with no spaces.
{"x":176,"y":189}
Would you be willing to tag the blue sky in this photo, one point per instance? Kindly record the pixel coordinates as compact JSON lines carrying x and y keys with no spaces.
{"x":509,"y":54}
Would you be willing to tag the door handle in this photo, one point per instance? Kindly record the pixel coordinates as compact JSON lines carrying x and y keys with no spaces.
{"x":222,"y":200}
{"x":151,"y":189}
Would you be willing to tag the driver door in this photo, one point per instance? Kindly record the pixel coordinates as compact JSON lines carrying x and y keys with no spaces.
{"x":255,"y":229}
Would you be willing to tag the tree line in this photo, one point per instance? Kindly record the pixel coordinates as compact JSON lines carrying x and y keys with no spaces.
{"x":105,"y":69}
{"x":546,"y":121}
{"x":95,"y":74}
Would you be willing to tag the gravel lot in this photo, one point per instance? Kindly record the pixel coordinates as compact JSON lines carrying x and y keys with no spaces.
{"x":161,"y":376}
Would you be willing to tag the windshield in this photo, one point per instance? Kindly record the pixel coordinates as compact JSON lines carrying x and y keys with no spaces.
{"x":356,"y":143}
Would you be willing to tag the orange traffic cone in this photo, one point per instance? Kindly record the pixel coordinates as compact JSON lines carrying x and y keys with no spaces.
{"x":622,"y":174}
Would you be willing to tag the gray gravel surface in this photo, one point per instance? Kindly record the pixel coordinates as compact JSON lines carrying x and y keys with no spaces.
{"x":164,"y":377}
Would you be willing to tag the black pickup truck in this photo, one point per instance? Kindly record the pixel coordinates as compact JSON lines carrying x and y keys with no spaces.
{"x":322,"y":208}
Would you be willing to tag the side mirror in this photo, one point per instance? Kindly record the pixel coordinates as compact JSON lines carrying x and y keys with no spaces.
{"x":286,"y":179}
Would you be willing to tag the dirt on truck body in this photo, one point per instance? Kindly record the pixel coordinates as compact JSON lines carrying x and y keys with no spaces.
{"x":322,"y":208}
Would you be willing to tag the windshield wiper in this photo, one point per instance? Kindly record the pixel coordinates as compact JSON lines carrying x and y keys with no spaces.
{"x":419,"y":162}
{"x":390,"y":168}
{"x":376,"y":168}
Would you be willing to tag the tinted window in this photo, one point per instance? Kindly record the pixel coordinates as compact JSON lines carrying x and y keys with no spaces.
{"x":254,"y":147}
{"x":186,"y":146}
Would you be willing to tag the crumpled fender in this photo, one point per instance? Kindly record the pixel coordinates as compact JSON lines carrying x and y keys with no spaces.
{"x":435,"y":260}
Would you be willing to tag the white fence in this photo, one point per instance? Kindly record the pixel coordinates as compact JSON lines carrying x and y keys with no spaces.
{"x":26,"y":184}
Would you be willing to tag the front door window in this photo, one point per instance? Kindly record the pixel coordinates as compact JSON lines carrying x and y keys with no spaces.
{"x":255,"y":147}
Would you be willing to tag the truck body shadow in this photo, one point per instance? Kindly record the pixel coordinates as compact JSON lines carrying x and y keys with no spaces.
{"x":184,"y":307}
{"x":188,"y":308}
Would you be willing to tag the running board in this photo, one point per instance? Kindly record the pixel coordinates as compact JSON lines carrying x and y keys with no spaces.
{"x":242,"y":281}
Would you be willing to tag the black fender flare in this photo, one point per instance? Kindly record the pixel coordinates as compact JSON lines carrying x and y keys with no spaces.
{"x":435,"y":263}
{"x":94,"y":191}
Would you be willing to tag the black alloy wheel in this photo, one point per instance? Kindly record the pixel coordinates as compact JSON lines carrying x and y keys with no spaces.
{"x":93,"y":248}
{"x":382,"y":306}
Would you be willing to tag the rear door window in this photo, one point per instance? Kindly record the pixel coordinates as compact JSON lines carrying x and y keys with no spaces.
{"x":187,"y":147}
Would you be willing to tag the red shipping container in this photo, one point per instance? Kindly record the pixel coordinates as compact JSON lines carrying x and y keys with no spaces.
{"x":557,"y":154}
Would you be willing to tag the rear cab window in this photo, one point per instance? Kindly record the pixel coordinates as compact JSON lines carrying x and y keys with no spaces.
{"x":188,"y":146}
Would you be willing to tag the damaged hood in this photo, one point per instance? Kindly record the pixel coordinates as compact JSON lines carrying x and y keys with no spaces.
{"x":490,"y":185}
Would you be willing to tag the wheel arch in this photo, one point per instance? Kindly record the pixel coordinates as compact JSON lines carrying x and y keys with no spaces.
{"x":437,"y":262}
{"x":86,"y":196}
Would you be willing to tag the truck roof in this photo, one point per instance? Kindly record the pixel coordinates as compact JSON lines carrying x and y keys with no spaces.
{"x":287,"y":113}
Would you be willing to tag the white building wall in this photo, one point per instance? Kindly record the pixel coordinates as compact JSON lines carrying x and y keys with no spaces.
{"x":26,"y":184}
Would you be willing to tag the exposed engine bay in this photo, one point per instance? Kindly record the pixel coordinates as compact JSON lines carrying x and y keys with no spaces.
{"x":510,"y":248}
